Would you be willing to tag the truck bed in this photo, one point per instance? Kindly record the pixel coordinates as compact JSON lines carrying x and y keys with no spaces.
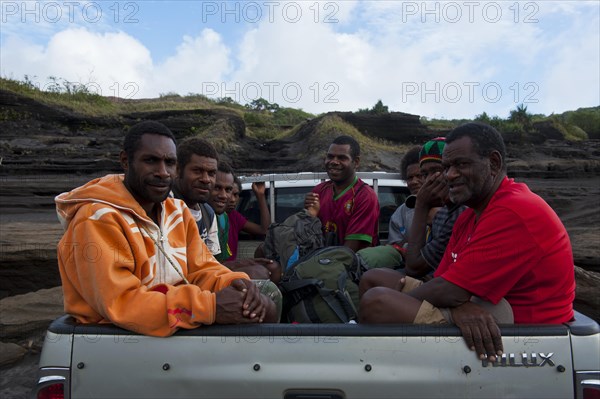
{"x":306,"y":361}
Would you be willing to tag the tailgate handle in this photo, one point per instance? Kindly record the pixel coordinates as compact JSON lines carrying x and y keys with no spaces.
{"x":314,"y":394}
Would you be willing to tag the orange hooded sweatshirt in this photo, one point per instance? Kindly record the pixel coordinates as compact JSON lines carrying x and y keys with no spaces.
{"x":113,"y":272}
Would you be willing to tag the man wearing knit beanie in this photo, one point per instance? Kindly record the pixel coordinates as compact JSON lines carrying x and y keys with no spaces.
{"x":432,"y":150}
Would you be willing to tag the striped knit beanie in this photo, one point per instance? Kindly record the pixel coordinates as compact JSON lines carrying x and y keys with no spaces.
{"x":432,"y":150}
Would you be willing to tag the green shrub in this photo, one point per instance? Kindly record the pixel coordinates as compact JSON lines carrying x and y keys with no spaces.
{"x":557,"y":123}
{"x":290,"y":116}
{"x":377,"y":109}
{"x":575,"y":133}
{"x":333,"y":125}
{"x":169,"y":95}
{"x":587,"y":119}
{"x":257,"y":119}
{"x":483,"y":118}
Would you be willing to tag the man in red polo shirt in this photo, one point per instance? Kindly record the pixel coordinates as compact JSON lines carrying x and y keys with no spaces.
{"x":510,"y":244}
{"x":347,"y":207}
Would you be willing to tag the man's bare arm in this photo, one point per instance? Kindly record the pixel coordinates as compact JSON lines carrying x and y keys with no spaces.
{"x":478,"y":327}
{"x":479,"y":330}
{"x":265,"y":216}
{"x":415,"y":264}
{"x":441,"y":293}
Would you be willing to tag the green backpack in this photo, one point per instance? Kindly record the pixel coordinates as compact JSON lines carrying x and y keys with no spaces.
{"x":320,"y":287}
{"x":295,"y":237}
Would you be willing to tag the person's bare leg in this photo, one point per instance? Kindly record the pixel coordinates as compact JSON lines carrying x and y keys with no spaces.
{"x":387,"y":305}
{"x":379,"y":278}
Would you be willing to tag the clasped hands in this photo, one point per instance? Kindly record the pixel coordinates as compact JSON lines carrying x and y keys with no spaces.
{"x":241,"y":303}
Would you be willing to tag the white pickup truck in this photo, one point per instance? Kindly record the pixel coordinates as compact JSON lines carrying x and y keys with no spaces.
{"x":318,"y":361}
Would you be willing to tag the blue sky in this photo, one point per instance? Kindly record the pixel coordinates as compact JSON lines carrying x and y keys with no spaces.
{"x":434,"y":59}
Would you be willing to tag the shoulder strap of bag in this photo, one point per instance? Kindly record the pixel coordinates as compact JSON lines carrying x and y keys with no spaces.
{"x":298,"y":290}
{"x":207,"y":215}
{"x":337,"y":302}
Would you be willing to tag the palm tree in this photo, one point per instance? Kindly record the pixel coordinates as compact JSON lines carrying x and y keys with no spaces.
{"x":521,"y":116}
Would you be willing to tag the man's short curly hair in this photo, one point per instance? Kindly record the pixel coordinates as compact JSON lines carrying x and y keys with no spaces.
{"x":351,"y":141}
{"x":484,"y":137}
{"x":225,"y":167}
{"x":194,"y":146}
{"x":135,"y":133}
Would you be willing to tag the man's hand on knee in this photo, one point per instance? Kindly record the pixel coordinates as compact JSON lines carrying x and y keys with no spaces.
{"x":241,"y":302}
{"x":254,"y":304}
{"x":479,"y":330}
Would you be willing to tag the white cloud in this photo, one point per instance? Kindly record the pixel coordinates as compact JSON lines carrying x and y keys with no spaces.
{"x":412,"y":59}
{"x":197,"y":63}
{"x":302,"y":62}
{"x":457,"y":69}
{"x":114,"y":63}
{"x":572,"y":79}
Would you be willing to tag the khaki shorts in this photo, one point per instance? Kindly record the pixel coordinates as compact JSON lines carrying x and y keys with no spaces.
{"x":429,"y":314}
{"x":410,"y":284}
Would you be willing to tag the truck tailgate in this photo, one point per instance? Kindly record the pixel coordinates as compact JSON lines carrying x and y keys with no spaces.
{"x":320,"y":361}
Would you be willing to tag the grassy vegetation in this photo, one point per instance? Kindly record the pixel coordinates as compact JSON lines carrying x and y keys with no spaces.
{"x":221,"y":135}
{"x":61,"y":94}
{"x":587,"y":119}
{"x":263,"y":119}
{"x":573,"y":125}
{"x":328,"y":127}
{"x":268,"y":121}
{"x":331,"y":126}
{"x":79,"y":98}
{"x":272,"y":121}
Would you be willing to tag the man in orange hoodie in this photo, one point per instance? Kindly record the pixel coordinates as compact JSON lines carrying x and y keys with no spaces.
{"x":133,"y":257}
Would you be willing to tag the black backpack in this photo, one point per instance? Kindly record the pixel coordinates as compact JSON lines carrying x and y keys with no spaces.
{"x":320,"y":287}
